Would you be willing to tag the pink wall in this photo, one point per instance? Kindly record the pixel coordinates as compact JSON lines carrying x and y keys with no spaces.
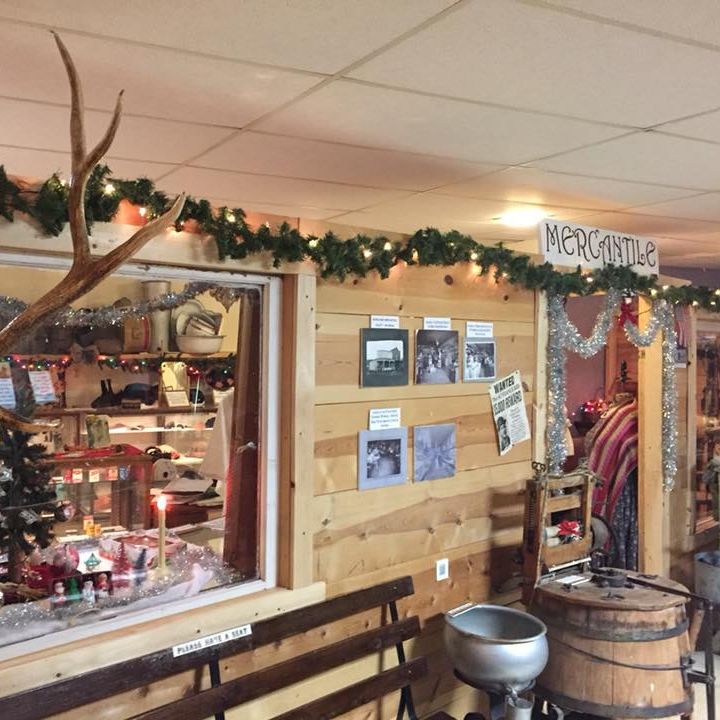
{"x":585,"y":378}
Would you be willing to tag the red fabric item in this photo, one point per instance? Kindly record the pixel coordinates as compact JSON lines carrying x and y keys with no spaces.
{"x":613,"y":455}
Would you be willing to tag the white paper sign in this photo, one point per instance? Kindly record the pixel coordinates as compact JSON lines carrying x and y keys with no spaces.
{"x":390,"y":322}
{"x":563,"y":243}
{"x":210,"y":640}
{"x":436,"y":323}
{"x":42,"y":386}
{"x":7,"y":389}
{"x":508,"y":406}
{"x":479,"y":330}
{"x":384,"y":418}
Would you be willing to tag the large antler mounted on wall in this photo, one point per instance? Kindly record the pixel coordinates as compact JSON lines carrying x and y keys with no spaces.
{"x":86,"y":271}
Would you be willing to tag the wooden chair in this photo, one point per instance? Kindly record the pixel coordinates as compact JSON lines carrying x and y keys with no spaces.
{"x":142,"y":671}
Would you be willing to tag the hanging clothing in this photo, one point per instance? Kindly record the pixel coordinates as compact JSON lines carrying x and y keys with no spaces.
{"x":625,"y":524}
{"x":217,"y":456}
{"x":613,"y":455}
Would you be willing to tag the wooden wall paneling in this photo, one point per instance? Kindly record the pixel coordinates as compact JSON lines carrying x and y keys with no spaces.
{"x":337,"y":427}
{"x":338,"y":360}
{"x":651,"y":501}
{"x":298,"y":430}
{"x":417,"y":291}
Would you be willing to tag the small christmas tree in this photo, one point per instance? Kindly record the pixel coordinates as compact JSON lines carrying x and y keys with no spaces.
{"x":28,"y":504}
{"x":121,"y":569}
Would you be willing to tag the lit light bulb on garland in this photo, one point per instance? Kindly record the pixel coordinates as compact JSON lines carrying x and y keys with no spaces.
{"x":367,"y":253}
{"x":109,"y":189}
{"x":143,"y":211}
{"x":387,"y":247}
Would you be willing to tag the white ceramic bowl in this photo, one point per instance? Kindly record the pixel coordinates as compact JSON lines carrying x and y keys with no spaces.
{"x":199,"y":344}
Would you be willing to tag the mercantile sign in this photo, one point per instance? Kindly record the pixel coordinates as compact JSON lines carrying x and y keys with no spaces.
{"x":563,"y":243}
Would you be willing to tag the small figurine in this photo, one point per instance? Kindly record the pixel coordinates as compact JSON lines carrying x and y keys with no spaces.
{"x":102,"y":589}
{"x":88,"y":593}
{"x":140,"y":569}
{"x":58,"y":599}
{"x":73,"y":590}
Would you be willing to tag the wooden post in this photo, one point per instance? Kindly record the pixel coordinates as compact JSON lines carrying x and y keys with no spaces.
{"x":298,"y":432}
{"x":650,"y":488}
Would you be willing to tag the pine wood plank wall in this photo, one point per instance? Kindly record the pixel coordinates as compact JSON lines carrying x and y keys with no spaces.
{"x":474,"y":518}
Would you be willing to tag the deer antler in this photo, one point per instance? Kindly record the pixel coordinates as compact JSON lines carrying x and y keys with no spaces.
{"x":86,"y":271}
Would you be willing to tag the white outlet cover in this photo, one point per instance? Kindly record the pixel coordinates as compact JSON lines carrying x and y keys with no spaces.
{"x":442,"y":569}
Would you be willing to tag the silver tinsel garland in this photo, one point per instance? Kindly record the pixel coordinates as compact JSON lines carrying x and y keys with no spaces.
{"x":563,"y":335}
{"x":108,"y":315}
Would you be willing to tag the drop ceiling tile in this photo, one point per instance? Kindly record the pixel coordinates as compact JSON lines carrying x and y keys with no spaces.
{"x":652,"y":225}
{"x":646,"y":157}
{"x":698,"y":207}
{"x":361,"y":115}
{"x":702,"y":127}
{"x":157,"y":82}
{"x":476,"y":217}
{"x":41,"y":164}
{"x":285,"y":211}
{"x":528,"y":56}
{"x":28,"y":124}
{"x":256,"y":189}
{"x":320,"y":35}
{"x":530,"y":185}
{"x":670,"y":16}
{"x":301,"y":158}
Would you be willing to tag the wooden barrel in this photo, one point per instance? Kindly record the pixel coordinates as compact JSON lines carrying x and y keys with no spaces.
{"x":614,"y":652}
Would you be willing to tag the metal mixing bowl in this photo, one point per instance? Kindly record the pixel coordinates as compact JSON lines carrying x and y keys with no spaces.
{"x":496,"y":648}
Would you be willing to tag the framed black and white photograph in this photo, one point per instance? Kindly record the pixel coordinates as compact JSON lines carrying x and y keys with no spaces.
{"x":384,"y":357}
{"x":479,"y":365}
{"x":436,"y":357}
{"x":382,"y":458}
{"x":434,"y":447}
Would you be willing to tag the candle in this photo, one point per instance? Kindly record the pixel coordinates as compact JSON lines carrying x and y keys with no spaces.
{"x":161,"y":507}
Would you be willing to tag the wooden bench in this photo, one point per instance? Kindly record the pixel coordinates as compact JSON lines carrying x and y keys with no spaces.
{"x":113,"y":679}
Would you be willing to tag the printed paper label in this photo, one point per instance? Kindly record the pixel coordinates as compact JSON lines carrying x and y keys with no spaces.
{"x":479,"y":330}
{"x":42,"y":386}
{"x":384,"y":418}
{"x":436,"y":323}
{"x":7,"y":390}
{"x":389,"y":322}
{"x":508,"y":406}
{"x":211,"y":640}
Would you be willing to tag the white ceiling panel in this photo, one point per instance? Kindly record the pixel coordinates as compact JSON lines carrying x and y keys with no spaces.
{"x":41,"y":164}
{"x":258,"y":189}
{"x":528,"y":56}
{"x":698,"y":207}
{"x":698,"y":21}
{"x":652,"y":225}
{"x":300,"y":158}
{"x":319,"y":35}
{"x":530,"y":185}
{"x":286,"y":211}
{"x":28,"y":124}
{"x":646,"y":157}
{"x":361,"y":115}
{"x":702,"y":127}
{"x":447,"y":213}
{"x":157,"y":82}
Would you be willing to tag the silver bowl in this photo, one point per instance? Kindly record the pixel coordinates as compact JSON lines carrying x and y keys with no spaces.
{"x":496,"y":648}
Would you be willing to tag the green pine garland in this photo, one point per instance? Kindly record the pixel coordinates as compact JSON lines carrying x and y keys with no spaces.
{"x":334,"y":257}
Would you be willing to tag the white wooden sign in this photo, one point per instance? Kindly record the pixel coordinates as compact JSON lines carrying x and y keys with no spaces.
{"x":384,"y":418}
{"x":563,"y":243}
{"x":389,"y":322}
{"x":436,"y":323}
{"x":210,"y":640}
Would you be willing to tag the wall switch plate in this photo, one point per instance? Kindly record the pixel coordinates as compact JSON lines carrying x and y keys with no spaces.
{"x":442,"y":569}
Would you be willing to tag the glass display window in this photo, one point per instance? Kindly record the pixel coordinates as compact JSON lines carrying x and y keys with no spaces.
{"x":152,"y":484}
